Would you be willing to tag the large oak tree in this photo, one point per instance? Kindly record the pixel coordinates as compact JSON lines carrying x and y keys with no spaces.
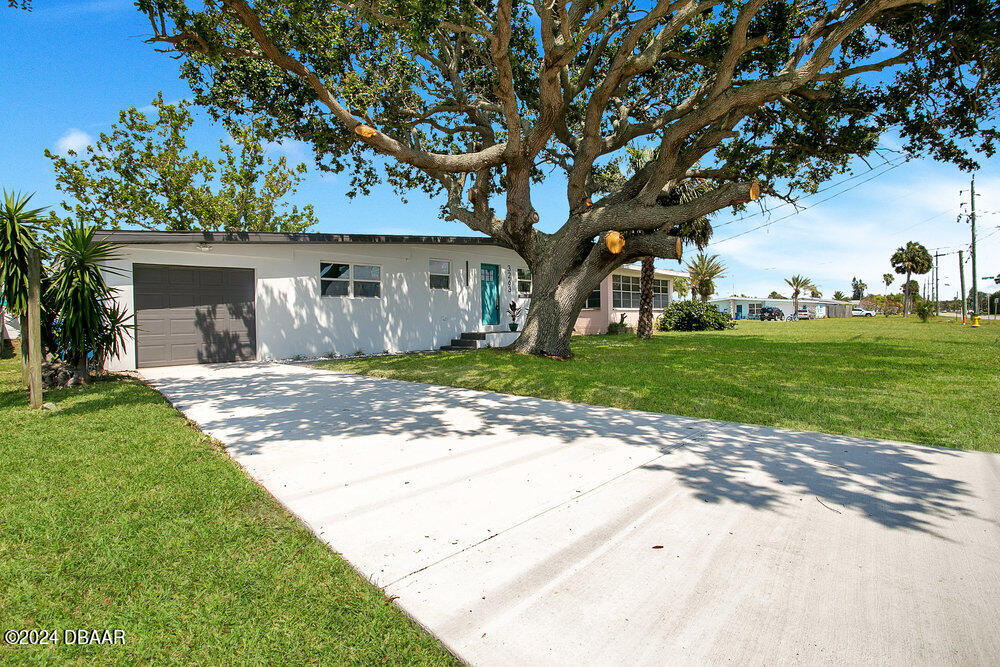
{"x":481,"y":99}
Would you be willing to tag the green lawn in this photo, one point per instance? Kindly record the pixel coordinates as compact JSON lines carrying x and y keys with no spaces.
{"x":116,"y":514}
{"x":936,"y":383}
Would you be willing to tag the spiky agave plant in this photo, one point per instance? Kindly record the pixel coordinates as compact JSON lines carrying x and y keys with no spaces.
{"x":89,"y":322}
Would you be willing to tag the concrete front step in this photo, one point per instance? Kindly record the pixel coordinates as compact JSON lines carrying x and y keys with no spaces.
{"x":472,"y":340}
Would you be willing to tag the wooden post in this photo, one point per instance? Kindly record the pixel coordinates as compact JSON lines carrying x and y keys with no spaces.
{"x":34,"y":333}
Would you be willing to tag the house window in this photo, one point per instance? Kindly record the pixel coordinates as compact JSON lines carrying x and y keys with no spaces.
{"x":523,"y":282}
{"x":440,"y":274}
{"x":367,"y":280}
{"x":594,"y":300}
{"x":336,"y":280}
{"x":753,"y":310}
{"x":661,"y":294}
{"x":625,"y":291}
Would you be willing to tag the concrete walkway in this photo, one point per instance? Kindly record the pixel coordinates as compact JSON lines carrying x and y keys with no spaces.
{"x":527,"y":531}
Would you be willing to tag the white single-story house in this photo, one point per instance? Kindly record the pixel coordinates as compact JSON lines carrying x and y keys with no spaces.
{"x":618,"y":295}
{"x":748,"y":308}
{"x":201,"y":297}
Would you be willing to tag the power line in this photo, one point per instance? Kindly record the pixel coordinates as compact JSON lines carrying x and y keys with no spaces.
{"x":806,"y":208}
{"x":820,"y":190}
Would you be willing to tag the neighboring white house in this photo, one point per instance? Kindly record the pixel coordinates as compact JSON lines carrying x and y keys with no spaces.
{"x":748,"y":308}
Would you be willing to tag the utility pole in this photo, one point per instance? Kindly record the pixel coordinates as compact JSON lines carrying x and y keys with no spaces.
{"x":961,"y":274}
{"x":972,"y":218}
{"x":937,"y":297}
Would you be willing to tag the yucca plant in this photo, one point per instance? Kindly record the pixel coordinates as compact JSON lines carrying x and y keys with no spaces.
{"x":18,"y":229}
{"x":89,"y":322}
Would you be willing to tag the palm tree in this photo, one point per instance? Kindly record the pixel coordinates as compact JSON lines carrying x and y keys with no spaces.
{"x":704,"y":269}
{"x":17,"y":238}
{"x":909,"y":259}
{"x":697,"y":231}
{"x":840,"y":296}
{"x":798,"y":284}
{"x":644,"y":327}
{"x":887,"y":278}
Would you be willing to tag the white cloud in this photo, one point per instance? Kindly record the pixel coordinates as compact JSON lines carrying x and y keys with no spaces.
{"x":294,"y":150}
{"x":74,"y":140}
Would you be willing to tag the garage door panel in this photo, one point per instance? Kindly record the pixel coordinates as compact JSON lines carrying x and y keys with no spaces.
{"x":149,"y":300}
{"x":194,"y":315}
{"x":177,"y":300}
{"x":152,"y":275}
{"x":153,"y":326}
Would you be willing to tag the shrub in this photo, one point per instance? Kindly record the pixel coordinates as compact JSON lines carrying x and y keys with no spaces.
{"x":924,"y":310}
{"x":619,"y":327}
{"x":693,"y":316}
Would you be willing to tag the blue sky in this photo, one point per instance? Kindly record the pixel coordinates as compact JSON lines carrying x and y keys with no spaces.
{"x":71,"y":66}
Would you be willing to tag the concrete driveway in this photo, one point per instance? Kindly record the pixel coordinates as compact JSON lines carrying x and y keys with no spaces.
{"x":521,"y":530}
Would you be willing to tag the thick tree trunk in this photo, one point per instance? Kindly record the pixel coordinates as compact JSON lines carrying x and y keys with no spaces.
{"x":644,"y":328}
{"x":795,"y":305}
{"x":562,"y":277}
{"x":83,"y":367}
{"x":549,"y":323}
{"x":556,"y":300}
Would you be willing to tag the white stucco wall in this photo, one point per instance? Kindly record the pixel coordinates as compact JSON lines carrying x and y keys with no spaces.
{"x":293,"y":319}
{"x":10,"y":326}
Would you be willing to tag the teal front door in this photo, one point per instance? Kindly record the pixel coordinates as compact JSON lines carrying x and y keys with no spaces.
{"x":490,"y":280}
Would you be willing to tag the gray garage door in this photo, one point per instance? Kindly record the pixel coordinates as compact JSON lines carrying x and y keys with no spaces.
{"x":193,"y":315}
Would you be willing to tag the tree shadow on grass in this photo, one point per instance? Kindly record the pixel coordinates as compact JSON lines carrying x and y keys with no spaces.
{"x":896,"y":485}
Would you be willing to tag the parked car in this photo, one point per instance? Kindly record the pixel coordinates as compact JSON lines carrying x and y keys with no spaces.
{"x":858,"y":311}
{"x":803,"y":314}
{"x":768,"y":313}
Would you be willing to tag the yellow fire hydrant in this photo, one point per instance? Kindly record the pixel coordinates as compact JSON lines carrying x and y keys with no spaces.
{"x":975,"y":320}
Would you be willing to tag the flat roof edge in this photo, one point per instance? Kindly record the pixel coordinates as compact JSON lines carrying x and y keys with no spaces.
{"x":161,"y":237}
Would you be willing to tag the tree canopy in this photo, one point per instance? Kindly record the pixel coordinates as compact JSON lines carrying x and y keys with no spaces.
{"x":478,"y":100}
{"x":143,"y":173}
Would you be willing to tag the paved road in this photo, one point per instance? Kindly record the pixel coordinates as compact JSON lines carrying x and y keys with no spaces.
{"x":527,"y":531}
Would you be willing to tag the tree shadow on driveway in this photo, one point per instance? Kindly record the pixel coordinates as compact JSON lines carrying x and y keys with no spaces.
{"x":894,"y":484}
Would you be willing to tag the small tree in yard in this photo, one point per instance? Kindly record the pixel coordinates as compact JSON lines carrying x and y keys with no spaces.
{"x":912,"y":258}
{"x":481,"y":99}
{"x":142,"y":173}
{"x":682,"y":286}
{"x":858,"y":288}
{"x":704,"y":269}
{"x":798,"y":284}
{"x":924,"y":310}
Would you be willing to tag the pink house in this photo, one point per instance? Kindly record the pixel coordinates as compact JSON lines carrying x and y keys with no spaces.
{"x":618,"y":295}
